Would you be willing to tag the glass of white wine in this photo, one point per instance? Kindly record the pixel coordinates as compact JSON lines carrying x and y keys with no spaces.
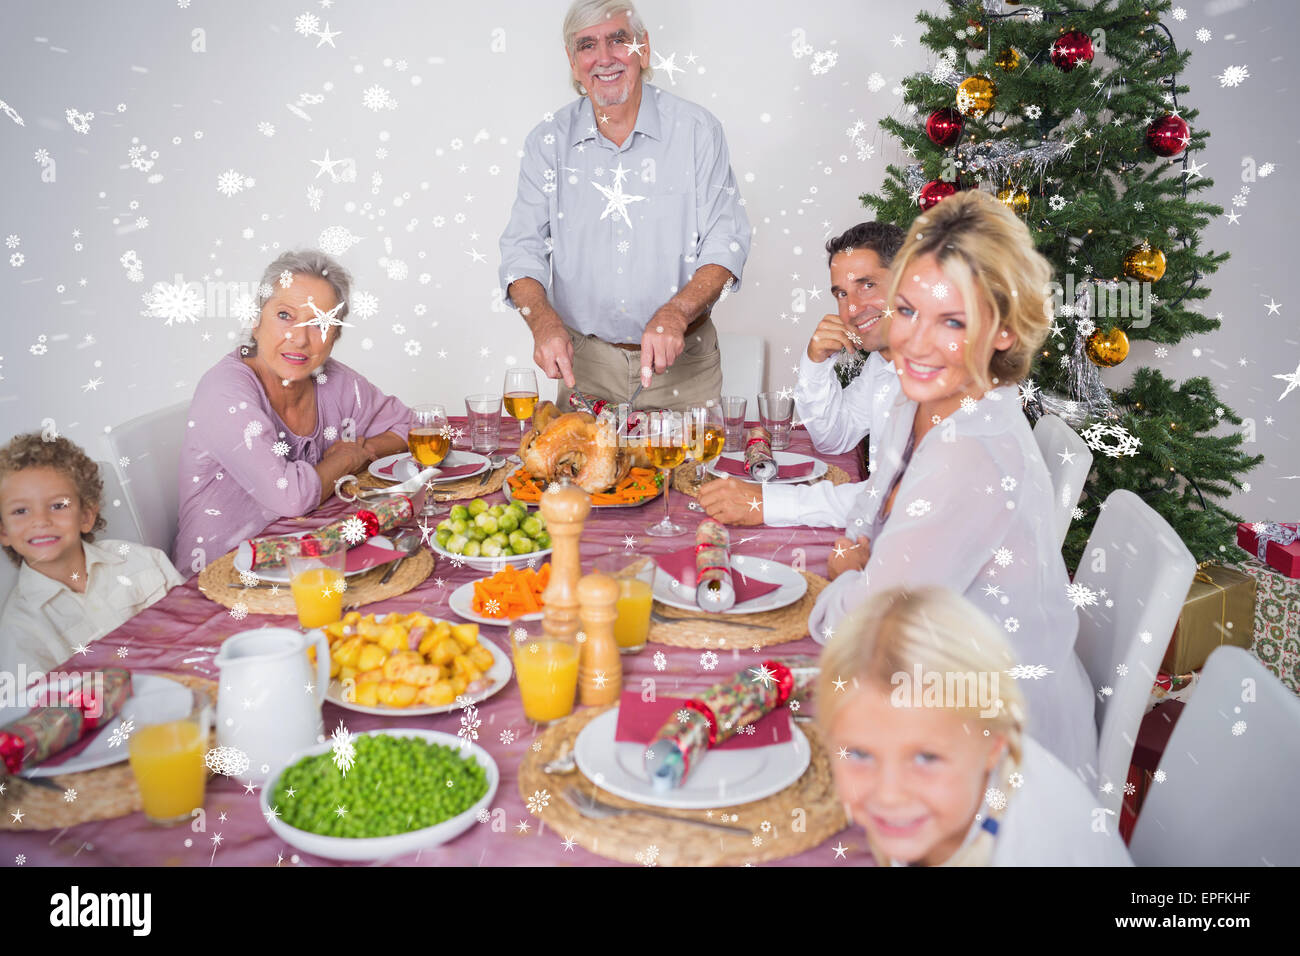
{"x":706,"y":433}
{"x":429,"y":440}
{"x":666,"y":449}
{"x":520,"y":394}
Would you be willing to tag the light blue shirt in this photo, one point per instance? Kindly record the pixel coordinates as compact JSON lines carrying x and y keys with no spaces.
{"x":614,"y":232}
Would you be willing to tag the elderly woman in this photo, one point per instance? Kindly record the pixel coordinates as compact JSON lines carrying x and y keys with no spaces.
{"x":277,"y":421}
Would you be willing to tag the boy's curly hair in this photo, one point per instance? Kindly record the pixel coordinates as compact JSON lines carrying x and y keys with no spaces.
{"x":32,"y":451}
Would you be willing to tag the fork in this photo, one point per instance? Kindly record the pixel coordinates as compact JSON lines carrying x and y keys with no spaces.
{"x":664,"y":619}
{"x":593,"y":809}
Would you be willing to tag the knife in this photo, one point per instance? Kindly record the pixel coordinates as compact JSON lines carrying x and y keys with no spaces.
{"x":43,"y":782}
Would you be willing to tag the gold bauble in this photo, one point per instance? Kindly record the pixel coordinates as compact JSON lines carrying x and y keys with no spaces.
{"x":1018,"y":201}
{"x":975,"y":95}
{"x":1144,"y":263}
{"x":1107,"y":349}
{"x":1008,"y":59}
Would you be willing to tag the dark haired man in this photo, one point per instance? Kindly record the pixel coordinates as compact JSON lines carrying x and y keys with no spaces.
{"x":837,"y":418}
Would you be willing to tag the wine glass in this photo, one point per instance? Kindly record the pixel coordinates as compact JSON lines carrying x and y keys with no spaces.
{"x":520,"y":395}
{"x":705,"y":435}
{"x":429,"y":440}
{"x":666,"y":450}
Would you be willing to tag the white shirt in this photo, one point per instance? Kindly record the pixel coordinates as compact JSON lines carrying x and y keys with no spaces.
{"x":973,"y":513}
{"x":837,"y":420}
{"x":1051,"y":819}
{"x":44,"y":620}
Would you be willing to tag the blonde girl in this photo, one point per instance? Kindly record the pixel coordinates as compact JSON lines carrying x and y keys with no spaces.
{"x":931,"y":750}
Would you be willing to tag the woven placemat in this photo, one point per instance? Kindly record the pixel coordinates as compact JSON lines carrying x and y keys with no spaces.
{"x":810,"y":804}
{"x":678,"y":628}
{"x":215,"y":584}
{"x":475,"y":486}
{"x":684,"y":478}
{"x":102,"y":794}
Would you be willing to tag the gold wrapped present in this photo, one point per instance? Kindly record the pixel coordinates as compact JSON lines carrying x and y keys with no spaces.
{"x":1220,"y":609}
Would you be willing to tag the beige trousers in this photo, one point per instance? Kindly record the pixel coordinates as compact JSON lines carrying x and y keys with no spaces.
{"x":608,"y":372}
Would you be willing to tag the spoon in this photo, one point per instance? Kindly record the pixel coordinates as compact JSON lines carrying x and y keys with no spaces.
{"x":565,"y":763}
{"x":407,"y":542}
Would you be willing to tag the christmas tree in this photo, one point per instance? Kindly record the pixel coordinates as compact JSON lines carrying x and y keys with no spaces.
{"x":1071,"y":115}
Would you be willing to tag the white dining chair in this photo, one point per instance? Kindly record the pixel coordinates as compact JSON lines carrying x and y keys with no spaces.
{"x":1137,"y":571}
{"x":116,"y":507}
{"x":744,"y":365}
{"x":1225,"y":789}
{"x":151,"y":444}
{"x":1068,"y":461}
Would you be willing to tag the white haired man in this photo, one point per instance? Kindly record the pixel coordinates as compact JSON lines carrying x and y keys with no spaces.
{"x":627,"y":211}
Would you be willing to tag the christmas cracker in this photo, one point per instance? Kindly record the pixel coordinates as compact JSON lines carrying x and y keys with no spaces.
{"x":385,"y":515}
{"x":47,"y":729}
{"x":720,"y":712}
{"x":758,"y":454}
{"x":714,"y":589}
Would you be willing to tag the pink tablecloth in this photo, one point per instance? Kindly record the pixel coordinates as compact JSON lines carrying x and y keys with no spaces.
{"x":182,"y":632}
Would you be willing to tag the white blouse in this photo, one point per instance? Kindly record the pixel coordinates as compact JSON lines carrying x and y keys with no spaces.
{"x":973,"y":514}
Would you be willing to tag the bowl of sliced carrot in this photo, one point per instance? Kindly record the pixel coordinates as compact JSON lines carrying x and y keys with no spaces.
{"x":510,"y":594}
{"x":638,"y":487}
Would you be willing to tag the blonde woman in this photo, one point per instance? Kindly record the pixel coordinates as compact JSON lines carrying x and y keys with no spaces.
{"x":960,"y":496}
{"x":938,"y":764}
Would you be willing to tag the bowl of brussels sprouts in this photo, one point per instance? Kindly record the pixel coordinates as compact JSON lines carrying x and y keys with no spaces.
{"x":489,"y":537}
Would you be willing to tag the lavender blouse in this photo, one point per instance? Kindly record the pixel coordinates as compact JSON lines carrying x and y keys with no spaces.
{"x":241,"y":467}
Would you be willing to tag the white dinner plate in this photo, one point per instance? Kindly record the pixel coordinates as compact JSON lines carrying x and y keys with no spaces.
{"x":408,"y":468}
{"x":498,"y":675}
{"x":782,"y":458}
{"x":462,"y":602}
{"x":490,"y":564}
{"x":100,"y":752}
{"x":794,"y":585}
{"x":385,"y":847}
{"x":722,"y":778}
{"x":280,"y":575}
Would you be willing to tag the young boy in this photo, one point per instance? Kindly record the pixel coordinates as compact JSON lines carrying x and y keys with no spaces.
{"x":70,"y":591}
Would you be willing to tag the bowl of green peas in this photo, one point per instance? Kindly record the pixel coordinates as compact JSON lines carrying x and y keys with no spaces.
{"x":406,"y":790}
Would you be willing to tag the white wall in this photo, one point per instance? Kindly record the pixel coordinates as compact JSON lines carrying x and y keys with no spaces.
{"x":465,"y":100}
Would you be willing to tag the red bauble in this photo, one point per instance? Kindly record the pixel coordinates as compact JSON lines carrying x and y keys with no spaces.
{"x":1069,"y":49}
{"x":1167,"y":136}
{"x":944,"y":127}
{"x":934,"y":191}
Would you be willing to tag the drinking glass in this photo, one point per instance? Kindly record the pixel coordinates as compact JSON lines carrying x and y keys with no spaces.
{"x":546,"y":668}
{"x":520,"y":395}
{"x":706,"y":434}
{"x":316,"y":580}
{"x":733,"y":416}
{"x":166,"y":749}
{"x":666,"y":450}
{"x":635,"y":575}
{"x":429,"y":441}
{"x":775,"y":411}
{"x":484,"y":414}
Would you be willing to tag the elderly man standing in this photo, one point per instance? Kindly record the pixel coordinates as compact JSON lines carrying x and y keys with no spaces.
{"x":628,"y":211}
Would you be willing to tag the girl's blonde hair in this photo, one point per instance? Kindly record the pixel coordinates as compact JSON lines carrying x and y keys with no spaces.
{"x":938,"y":632}
{"x":990,"y":258}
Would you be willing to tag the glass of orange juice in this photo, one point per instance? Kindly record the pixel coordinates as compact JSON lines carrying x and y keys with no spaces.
{"x":546,"y":666}
{"x":635,"y":576}
{"x":168,"y":739}
{"x":316,"y":580}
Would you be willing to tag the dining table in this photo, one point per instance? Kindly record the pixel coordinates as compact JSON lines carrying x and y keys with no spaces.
{"x":181,"y":634}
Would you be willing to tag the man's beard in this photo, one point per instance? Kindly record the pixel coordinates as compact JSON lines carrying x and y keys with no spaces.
{"x":617,"y":101}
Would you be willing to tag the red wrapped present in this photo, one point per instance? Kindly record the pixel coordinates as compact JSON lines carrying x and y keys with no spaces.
{"x":1276,"y":544}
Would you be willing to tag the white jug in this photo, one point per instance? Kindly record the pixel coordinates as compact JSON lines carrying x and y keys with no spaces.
{"x":267,"y":704}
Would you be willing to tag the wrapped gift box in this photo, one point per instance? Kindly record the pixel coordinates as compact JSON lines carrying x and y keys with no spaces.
{"x":1277,"y":621}
{"x":1282,"y":545}
{"x":1220,"y":609}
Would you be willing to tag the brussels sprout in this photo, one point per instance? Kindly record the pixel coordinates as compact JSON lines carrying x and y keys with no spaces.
{"x":531,"y":525}
{"x":507,"y":551}
{"x":444,"y":524}
{"x":456,"y":544}
{"x":543,"y":540}
{"x":519,"y":541}
{"x":501,"y":538}
{"x":508,"y":522}
{"x":475,"y":533}
{"x":473,"y":549}
{"x":486,"y":522}
{"x":477,"y":507}
{"x":459,"y":512}
{"x":490,"y":548}
{"x":459,"y":525}
{"x":497,"y":511}
{"x":442,"y":537}
{"x":519,"y":508}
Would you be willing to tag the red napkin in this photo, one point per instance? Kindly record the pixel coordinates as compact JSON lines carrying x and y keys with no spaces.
{"x":681,"y":565}
{"x":453,"y":472}
{"x":366,"y":556}
{"x":732,"y":466}
{"x":639,"y":721}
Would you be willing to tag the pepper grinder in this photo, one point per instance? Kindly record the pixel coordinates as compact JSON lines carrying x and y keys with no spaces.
{"x":600,"y":668}
{"x":565,"y":508}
